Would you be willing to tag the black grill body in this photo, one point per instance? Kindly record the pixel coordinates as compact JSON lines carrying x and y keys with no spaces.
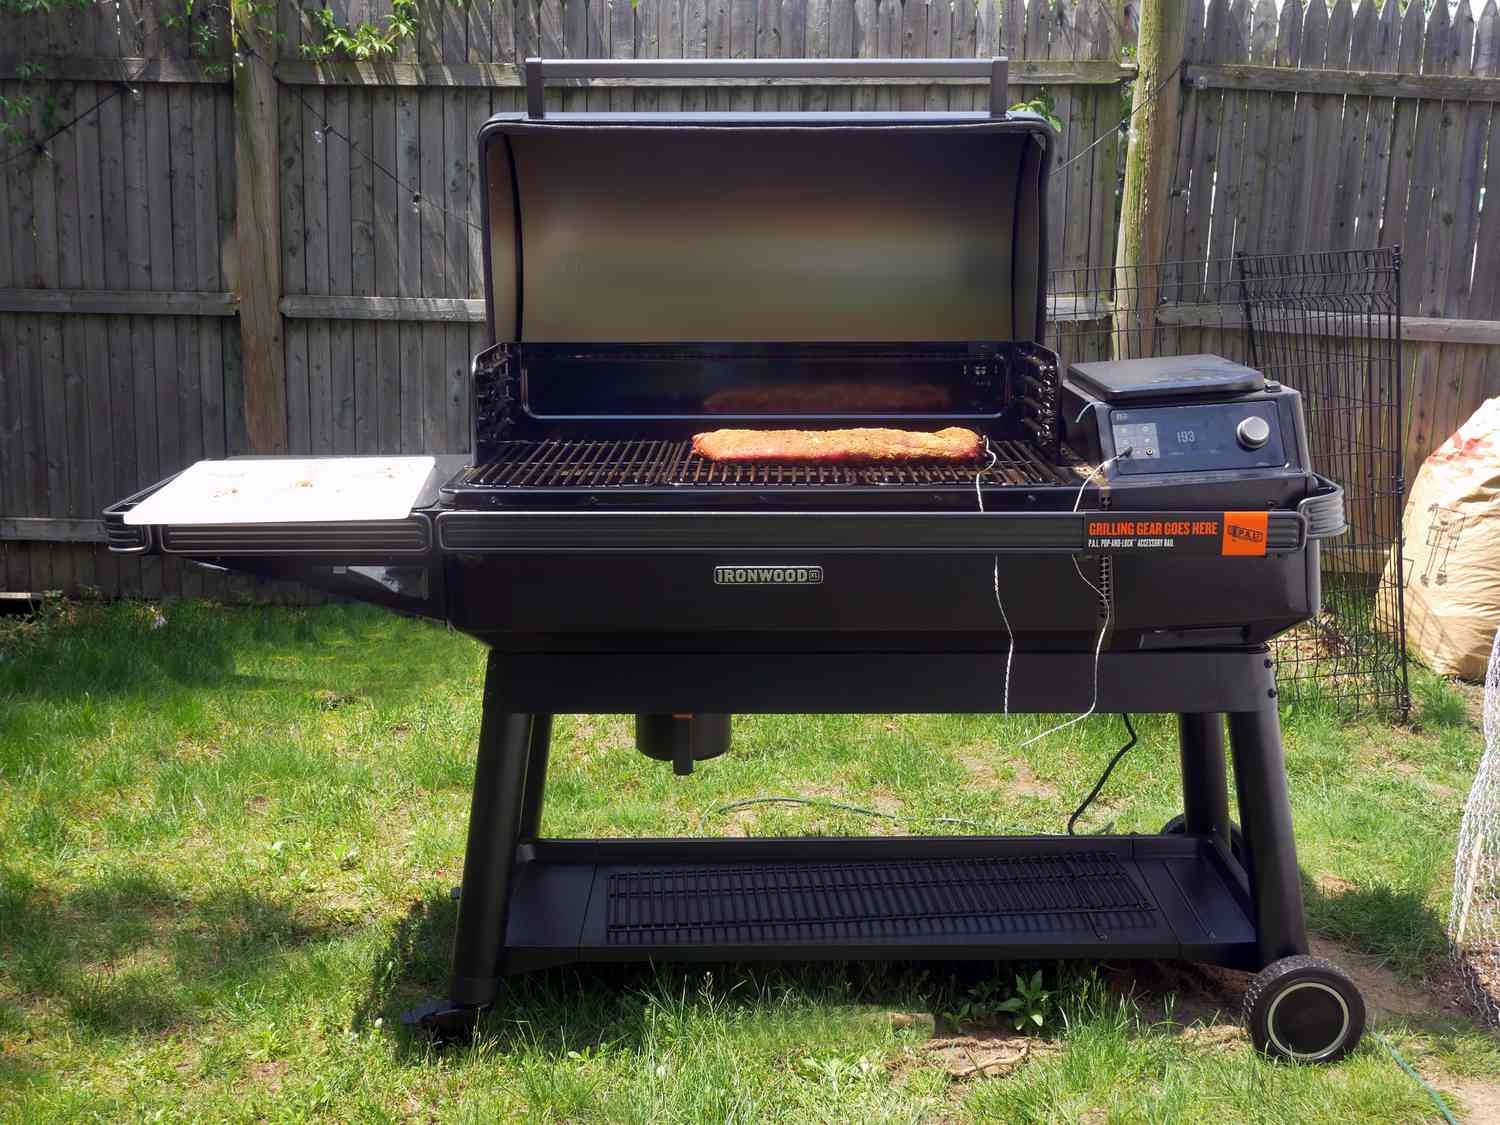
{"x":1129,"y":541}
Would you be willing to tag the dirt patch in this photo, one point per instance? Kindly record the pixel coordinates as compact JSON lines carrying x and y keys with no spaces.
{"x":1333,"y":884}
{"x":981,"y":762}
{"x":1184,"y":993}
{"x":269,"y":1074}
{"x":1479,"y":1102}
{"x":1214,"y":1038}
{"x":984,"y":1056}
{"x":883,"y":803}
{"x":1384,"y":993}
{"x":592,"y":734}
{"x":1027,"y":784}
{"x":989,"y":770}
{"x":194,"y":750}
{"x":746,"y":821}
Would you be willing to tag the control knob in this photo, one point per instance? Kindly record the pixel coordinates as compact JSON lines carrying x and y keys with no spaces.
{"x":1253,"y":432}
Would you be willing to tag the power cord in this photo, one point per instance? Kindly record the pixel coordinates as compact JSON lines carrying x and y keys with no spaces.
{"x":1104,"y":777}
{"x":840,"y":806}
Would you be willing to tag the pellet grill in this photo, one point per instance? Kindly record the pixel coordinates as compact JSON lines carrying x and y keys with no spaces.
{"x":1134,"y":535}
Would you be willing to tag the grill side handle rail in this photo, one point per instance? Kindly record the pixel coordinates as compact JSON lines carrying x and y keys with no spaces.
{"x":997,"y":70}
{"x":1158,"y":533}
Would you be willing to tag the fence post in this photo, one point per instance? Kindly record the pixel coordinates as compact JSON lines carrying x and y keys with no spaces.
{"x":1150,"y":157}
{"x":257,"y":159}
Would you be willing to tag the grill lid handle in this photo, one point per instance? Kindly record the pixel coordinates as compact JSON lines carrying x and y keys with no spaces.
{"x":538,"y":70}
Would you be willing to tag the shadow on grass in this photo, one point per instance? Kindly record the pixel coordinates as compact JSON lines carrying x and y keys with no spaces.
{"x":1396,"y":924}
{"x":582,"y":1006}
{"x":74,"y":650}
{"x":127,"y":953}
{"x":585,"y":1006}
{"x":81,"y":649}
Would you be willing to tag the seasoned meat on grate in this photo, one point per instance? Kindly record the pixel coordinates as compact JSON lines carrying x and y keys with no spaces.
{"x":846,"y":447}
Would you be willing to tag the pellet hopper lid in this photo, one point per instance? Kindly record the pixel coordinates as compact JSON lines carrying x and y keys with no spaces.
{"x":750,"y":227}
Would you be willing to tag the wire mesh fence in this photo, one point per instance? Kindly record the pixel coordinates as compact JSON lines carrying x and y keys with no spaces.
{"x":1328,"y":325}
{"x":1474,"y":910}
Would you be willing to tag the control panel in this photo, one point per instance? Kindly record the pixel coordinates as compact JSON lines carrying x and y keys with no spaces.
{"x":1197,"y":439}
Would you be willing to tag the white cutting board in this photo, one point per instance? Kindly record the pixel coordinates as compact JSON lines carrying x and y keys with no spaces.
{"x":288,"y":490}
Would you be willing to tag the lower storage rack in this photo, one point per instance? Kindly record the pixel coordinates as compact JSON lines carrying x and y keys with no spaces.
{"x":951,"y":898}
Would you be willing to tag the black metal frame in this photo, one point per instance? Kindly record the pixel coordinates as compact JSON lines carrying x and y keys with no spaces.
{"x":528,"y":902}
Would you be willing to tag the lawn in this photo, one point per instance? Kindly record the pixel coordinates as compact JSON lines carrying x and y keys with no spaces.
{"x":228,"y":838}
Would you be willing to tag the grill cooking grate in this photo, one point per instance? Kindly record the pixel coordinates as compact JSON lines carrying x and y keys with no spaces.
{"x":640,"y":464}
{"x":810,"y":902}
{"x":574,"y":464}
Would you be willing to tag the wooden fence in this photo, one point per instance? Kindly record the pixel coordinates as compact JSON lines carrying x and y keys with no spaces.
{"x":1350,"y":127}
{"x":129,"y":307}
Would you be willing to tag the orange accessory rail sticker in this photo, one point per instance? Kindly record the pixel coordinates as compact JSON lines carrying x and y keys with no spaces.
{"x":1188,"y":531}
{"x":1244,"y":533}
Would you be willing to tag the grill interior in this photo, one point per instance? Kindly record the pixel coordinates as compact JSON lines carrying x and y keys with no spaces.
{"x":907,"y":898}
{"x":591,"y":465}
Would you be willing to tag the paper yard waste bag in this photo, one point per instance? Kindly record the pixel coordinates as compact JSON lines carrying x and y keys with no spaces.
{"x":1452,"y":550}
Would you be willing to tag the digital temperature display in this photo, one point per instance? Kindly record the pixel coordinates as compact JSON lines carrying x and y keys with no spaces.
{"x":1180,"y":439}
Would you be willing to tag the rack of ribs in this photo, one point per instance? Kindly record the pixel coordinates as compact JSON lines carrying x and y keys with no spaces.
{"x":864,"y":446}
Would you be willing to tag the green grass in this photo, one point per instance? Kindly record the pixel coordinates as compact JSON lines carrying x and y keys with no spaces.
{"x":227,"y":840}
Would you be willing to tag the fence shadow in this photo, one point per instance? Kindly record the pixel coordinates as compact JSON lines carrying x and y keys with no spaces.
{"x":75,"y":649}
{"x":126,"y":952}
{"x":1396,"y":924}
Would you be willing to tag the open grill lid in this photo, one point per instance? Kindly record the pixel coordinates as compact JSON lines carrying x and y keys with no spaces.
{"x":742,"y":228}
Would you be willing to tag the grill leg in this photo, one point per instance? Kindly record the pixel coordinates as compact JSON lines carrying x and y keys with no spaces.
{"x":1205,"y":785}
{"x":536,"y":776}
{"x":1266,"y":820}
{"x":489,"y":860}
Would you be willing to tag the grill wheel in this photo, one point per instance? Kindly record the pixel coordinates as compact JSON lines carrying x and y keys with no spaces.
{"x":1304,"y":1009}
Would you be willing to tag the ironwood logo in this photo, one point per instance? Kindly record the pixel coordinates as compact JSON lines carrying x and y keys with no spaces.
{"x":1247,"y":534}
{"x":767,"y":575}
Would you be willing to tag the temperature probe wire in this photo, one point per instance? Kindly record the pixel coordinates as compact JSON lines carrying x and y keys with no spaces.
{"x":1010,"y":653}
{"x":1092,"y":473}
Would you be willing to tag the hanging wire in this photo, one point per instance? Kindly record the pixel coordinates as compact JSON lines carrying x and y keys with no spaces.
{"x":326,"y":128}
{"x":38,"y":145}
{"x":1134,"y":109}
